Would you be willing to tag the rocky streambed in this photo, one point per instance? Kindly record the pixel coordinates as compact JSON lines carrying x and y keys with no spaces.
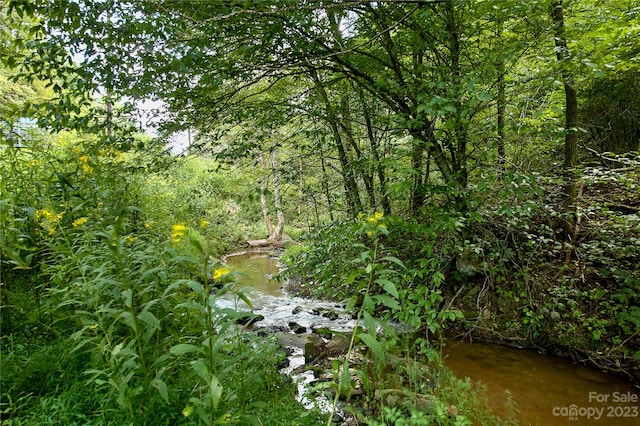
{"x":312,"y":332}
{"x":315,"y":334}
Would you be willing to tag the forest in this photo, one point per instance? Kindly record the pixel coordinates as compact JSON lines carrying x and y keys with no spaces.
{"x":463,"y":168}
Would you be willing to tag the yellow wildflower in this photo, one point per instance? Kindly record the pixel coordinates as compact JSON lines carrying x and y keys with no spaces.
{"x":84,"y":159}
{"x":79,"y":222}
{"x":47,"y":215}
{"x":149,"y":224}
{"x":374,"y":223}
{"x":375,"y":218}
{"x":48,"y":219}
{"x":220,"y":272}
{"x":178,"y":231}
{"x":129,"y":239}
{"x":203,"y":223}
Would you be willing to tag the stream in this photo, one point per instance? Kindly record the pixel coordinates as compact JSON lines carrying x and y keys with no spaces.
{"x":547,"y":390}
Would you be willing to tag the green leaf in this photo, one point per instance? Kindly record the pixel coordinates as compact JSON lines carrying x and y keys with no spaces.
{"x":365,"y":256}
{"x":367,"y":303}
{"x":242,"y":296}
{"x":192,"y":305}
{"x":187,"y":411}
{"x":197,"y":287}
{"x":201,"y":369}
{"x":374,"y":345}
{"x":351,"y":304}
{"x":183,"y":348}
{"x":394,"y":260}
{"x":127,"y":295}
{"x":127,"y":318}
{"x":150,"y":319}
{"x":162,"y":388}
{"x":344,"y":387}
{"x":370,"y":324}
{"x":215,"y":391}
{"x":160,"y":361}
{"x":483,"y":96}
{"x":389,"y":287}
{"x":170,"y":288}
{"x":388,"y":301}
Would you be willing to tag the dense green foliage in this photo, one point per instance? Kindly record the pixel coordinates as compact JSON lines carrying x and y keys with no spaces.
{"x":446,"y":164}
{"x":106,"y":304}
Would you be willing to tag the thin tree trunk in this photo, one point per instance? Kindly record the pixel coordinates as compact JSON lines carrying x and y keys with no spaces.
{"x":417,"y":190}
{"x":300,"y":185}
{"x":501,"y":104}
{"x":375,"y":149}
{"x":460,"y":129}
{"x":325,"y":185}
{"x":365,"y":173}
{"x":350,"y":185}
{"x":275,"y":164}
{"x":571,"y":113}
{"x":263,"y":200}
{"x":109,"y":102}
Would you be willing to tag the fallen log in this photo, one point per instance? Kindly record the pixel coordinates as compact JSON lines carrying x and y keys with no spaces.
{"x":259,"y":243}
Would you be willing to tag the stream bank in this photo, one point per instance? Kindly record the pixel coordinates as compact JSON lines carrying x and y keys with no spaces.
{"x":546,"y":390}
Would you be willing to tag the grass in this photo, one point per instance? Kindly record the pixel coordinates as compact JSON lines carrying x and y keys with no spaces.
{"x":43,"y":383}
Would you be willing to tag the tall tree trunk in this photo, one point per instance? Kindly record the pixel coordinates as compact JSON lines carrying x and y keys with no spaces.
{"x":375,"y":150}
{"x":571,"y":112}
{"x":501,"y":103}
{"x":350,"y":185}
{"x":300,"y":185}
{"x":325,"y":185}
{"x":365,"y":173}
{"x":109,"y":102}
{"x":263,"y":199}
{"x":417,"y":188}
{"x":459,"y":156}
{"x":275,"y":165}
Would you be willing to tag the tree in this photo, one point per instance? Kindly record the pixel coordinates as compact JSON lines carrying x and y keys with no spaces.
{"x":260,"y":43}
{"x":571,"y":103}
{"x":431,"y":69}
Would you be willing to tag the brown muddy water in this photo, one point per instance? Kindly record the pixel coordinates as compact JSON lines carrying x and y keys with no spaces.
{"x":254,"y":270}
{"x":546,"y":390}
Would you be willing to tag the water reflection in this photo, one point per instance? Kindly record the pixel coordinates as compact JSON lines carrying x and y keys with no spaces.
{"x":254,"y":270}
{"x":546,"y":389}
